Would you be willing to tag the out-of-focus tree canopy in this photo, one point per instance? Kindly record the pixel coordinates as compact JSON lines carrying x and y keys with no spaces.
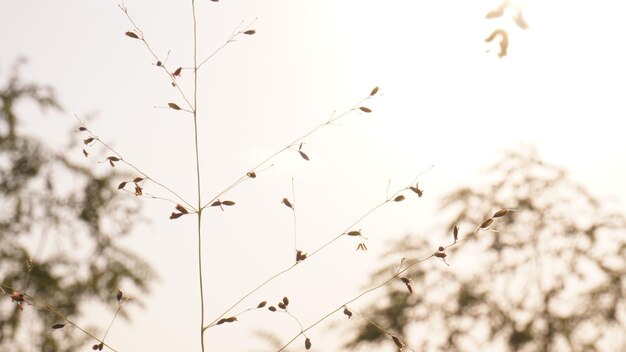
{"x":550,"y":276}
{"x":59,"y":226}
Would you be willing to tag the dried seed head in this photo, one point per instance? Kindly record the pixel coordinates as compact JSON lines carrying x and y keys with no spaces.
{"x":354,"y":233}
{"x":307,"y":343}
{"x":249,"y":32}
{"x":57,"y":326}
{"x":173,"y":106}
{"x":132,"y":35}
{"x":175,"y":215}
{"x":364,"y":109}
{"x":82,"y":128}
{"x":159,"y":63}
{"x":251,"y":174}
{"x":177,"y":72}
{"x":272,"y":308}
{"x":228,"y":203}
{"x":217,"y":203}
{"x":406,"y":280}
{"x":440,"y":255}
{"x":138,"y":179}
{"x":120,"y":295}
{"x":374,"y":91}
{"x":182,"y":209}
{"x":441,"y":249}
{"x":121,"y":185}
{"x":138,"y":190}
{"x":262,"y":304}
{"x":85,"y":153}
{"x":286,"y":301}
{"x":455,"y":232}
{"x":88,"y":140}
{"x":282,"y":305}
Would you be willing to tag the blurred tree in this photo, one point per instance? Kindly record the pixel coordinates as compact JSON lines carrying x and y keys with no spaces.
{"x":552,"y":279}
{"x":58,"y":228}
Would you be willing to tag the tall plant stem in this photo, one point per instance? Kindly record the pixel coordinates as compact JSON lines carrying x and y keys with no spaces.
{"x":199,"y":196}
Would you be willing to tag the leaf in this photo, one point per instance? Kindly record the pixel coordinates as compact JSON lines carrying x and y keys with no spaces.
{"x":173,"y":106}
{"x":374,"y":91}
{"x":57,"y":326}
{"x":121,"y":185}
{"x":132,"y":35}
{"x":307,"y":343}
{"x":304,"y":156}
{"x":250,"y":32}
{"x":364,"y":109}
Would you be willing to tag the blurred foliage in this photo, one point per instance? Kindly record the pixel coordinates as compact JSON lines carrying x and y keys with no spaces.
{"x":550,"y":277}
{"x":59,"y":223}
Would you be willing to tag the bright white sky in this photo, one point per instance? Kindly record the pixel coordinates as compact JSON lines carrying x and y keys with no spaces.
{"x":445,"y":102}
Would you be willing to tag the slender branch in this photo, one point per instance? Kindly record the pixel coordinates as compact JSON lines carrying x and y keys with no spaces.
{"x":236,"y":32}
{"x":122,"y":160}
{"x":155,"y":56}
{"x":437,"y":253}
{"x":295,"y":225}
{"x":42,"y":305}
{"x":246,"y":176}
{"x":198,"y":179}
{"x":344,"y":233}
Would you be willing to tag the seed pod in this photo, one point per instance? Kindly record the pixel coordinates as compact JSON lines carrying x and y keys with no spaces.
{"x":398,"y":198}
{"x":217,"y":203}
{"x":81,"y":128}
{"x":364,"y":109}
{"x":57,"y":326}
{"x":347,"y":312}
{"x":138,"y":179}
{"x":304,"y":156}
{"x":262,"y":304}
{"x":121,"y":185}
{"x":221,"y":321}
{"x":119,"y":295}
{"x":177,"y":72}
{"x":231,"y":319}
{"x":455,"y":232}
{"x":500,"y":213}
{"x":287,"y":203}
{"x":175,"y":215}
{"x":132,"y":35}
{"x":88,"y":140}
{"x":374,"y":91}
{"x":440,"y":255}
{"x":307,"y":343}
{"x":249,"y":32}
{"x":272,"y":308}
{"x":85,"y":153}
{"x":354,"y":233}
{"x":282,"y":305}
{"x":397,"y":341}
{"x":486,"y":223}
{"x":228,"y":203}
{"x":251,"y":174}
{"x":441,"y":249}
{"x":173,"y":106}
{"x":406,"y":280}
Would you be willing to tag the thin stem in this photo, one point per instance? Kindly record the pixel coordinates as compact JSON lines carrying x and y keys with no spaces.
{"x":295,"y":225}
{"x":197,"y":152}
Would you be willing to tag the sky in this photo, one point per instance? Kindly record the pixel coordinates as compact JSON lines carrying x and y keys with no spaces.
{"x":446,"y":100}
